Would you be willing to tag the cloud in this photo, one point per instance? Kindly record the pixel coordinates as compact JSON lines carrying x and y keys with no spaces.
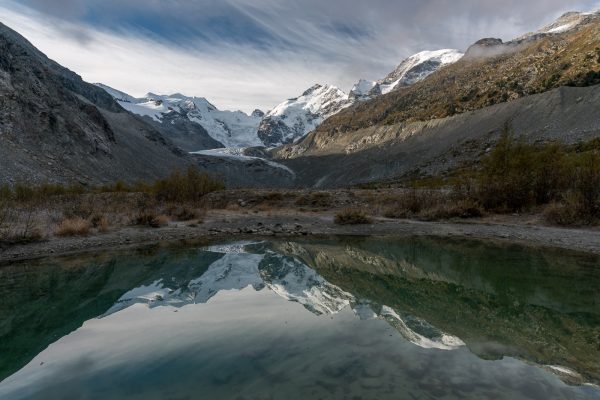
{"x":243,"y":54}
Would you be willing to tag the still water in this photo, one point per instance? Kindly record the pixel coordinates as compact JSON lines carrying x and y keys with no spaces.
{"x":361,"y":318}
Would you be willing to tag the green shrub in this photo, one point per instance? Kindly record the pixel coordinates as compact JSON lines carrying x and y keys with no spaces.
{"x":506,"y":177}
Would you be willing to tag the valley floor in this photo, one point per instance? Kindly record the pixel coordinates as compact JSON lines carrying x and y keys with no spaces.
{"x":242,"y":224}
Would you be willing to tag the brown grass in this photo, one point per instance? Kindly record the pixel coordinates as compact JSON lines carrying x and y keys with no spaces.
{"x":73,"y":227}
{"x":186,"y":212}
{"x":317,"y":199}
{"x":150,"y":218}
{"x":159,"y":221}
{"x":352,"y":216}
{"x":452,"y":209}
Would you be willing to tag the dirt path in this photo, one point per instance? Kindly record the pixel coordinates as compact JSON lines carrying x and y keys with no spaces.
{"x":223,"y":225}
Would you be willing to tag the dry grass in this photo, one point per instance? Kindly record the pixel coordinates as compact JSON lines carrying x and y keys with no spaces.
{"x":453,"y":209}
{"x":352,"y":216}
{"x":159,"y":221}
{"x":73,"y":227}
{"x":101,"y":223}
{"x":317,"y":199}
{"x":569,"y":212}
{"x":186,"y":212}
{"x":430,"y":205}
{"x":150,"y":218}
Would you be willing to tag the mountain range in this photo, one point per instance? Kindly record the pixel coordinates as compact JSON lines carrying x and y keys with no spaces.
{"x":542,"y":86}
{"x":436,"y":110}
{"x":287,"y":122}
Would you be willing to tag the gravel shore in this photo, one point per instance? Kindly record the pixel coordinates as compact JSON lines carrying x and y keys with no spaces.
{"x":227,"y":225}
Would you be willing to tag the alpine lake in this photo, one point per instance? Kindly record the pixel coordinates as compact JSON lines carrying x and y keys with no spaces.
{"x":335,"y":318}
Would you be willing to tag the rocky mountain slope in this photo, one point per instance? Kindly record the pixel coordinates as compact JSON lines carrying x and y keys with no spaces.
{"x":55,"y":127}
{"x":294,"y":118}
{"x":457,"y":112}
{"x":490,"y":73}
{"x":225,"y":128}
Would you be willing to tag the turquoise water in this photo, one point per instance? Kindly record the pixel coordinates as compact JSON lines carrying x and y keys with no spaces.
{"x":358,"y":318}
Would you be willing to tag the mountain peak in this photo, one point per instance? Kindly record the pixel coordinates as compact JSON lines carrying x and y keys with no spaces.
{"x":257,"y":113}
{"x":296,"y":117}
{"x":566,"y":22}
{"x":313,"y":88}
{"x":410,"y":71}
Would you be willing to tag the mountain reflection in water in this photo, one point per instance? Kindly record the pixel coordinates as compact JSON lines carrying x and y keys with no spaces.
{"x":366,"y":318}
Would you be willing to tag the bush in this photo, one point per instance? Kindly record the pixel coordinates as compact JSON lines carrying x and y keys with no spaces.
{"x":506,"y":176}
{"x":159,"y":221}
{"x":272,"y":197}
{"x":150,"y":218}
{"x":73,"y":227}
{"x":569,"y":211}
{"x":412,"y":202}
{"x":189,"y":186}
{"x":100,"y":222}
{"x":318,"y":199}
{"x":352,"y":216}
{"x":586,"y":182}
{"x":453,"y":209}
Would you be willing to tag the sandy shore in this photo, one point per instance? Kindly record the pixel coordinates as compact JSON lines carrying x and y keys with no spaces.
{"x":227,"y":225}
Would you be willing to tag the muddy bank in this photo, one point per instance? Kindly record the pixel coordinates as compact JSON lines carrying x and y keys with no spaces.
{"x":227,"y":225}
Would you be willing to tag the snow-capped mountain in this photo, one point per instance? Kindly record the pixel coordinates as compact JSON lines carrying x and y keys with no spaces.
{"x":230,"y":128}
{"x":410,"y":71}
{"x":296,"y":117}
{"x":288,"y":121}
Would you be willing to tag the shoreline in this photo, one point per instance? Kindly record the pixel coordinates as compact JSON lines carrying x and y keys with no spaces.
{"x":225,"y":226}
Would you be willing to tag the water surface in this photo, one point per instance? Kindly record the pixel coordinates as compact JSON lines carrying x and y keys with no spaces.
{"x":360,"y":318}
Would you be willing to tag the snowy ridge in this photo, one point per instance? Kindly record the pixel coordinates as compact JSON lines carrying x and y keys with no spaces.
{"x":569,"y":21}
{"x":410,"y":71}
{"x":231,"y":128}
{"x":294,"y":118}
{"x":435,"y":339}
{"x":117,"y":94}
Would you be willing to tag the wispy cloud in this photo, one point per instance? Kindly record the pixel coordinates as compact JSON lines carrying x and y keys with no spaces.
{"x":243,"y":54}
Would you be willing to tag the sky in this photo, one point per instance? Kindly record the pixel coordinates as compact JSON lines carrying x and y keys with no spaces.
{"x":247,"y":54}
